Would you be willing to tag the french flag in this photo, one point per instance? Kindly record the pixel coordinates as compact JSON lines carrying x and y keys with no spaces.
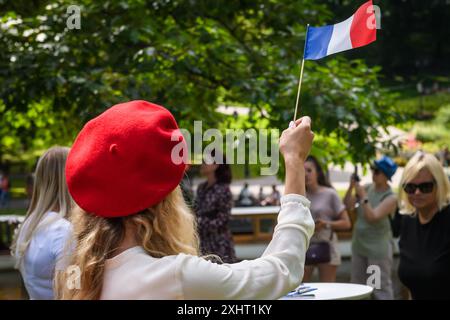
{"x":357,"y":31}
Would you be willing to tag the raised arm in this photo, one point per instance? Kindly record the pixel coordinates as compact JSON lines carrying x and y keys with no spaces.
{"x":295,"y":144}
{"x":349,"y":198}
{"x":281,"y":267}
{"x":372,"y":215}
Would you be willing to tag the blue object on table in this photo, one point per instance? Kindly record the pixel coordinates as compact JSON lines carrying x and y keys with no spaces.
{"x":301,"y":291}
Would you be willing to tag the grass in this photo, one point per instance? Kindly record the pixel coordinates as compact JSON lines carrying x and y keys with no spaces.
{"x":429,"y":119}
{"x":18,"y":193}
{"x":421,"y":108}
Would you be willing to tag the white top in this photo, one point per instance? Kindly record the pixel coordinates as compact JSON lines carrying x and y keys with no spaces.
{"x":334,"y":291}
{"x":134,"y":274}
{"x":44,"y":254}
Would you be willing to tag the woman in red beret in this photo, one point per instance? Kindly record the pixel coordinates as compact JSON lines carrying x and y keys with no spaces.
{"x":136,"y":238}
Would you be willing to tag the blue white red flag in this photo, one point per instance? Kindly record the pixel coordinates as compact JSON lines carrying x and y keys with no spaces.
{"x":357,"y":31}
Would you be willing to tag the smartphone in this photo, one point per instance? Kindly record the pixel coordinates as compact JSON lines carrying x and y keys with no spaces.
{"x":355,"y":174}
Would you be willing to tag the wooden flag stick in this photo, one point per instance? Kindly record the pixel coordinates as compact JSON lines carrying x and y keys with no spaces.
{"x":301,"y":76}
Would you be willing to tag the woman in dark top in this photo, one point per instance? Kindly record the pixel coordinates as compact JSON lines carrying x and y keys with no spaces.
{"x":424,"y":228}
{"x":213,"y":209}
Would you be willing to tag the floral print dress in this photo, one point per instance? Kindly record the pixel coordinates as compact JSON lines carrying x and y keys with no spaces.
{"x":213,"y":209}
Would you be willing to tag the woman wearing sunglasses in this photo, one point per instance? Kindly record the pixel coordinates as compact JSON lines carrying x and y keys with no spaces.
{"x":372,"y":236}
{"x":424,"y":228}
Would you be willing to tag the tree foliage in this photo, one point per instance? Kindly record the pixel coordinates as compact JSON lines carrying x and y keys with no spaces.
{"x":190,"y":56}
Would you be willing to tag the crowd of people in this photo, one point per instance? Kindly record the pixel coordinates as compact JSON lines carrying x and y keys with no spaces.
{"x":140,"y":240}
{"x":247,"y":199}
{"x":419,"y":216}
{"x":117,"y":208}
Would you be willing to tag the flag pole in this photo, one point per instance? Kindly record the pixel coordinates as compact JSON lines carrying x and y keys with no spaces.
{"x":301,"y":75}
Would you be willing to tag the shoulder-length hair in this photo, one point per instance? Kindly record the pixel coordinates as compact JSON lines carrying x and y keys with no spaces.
{"x":415,"y":164}
{"x":321,"y":177}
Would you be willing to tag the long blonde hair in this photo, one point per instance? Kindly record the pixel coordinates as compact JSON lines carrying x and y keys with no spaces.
{"x":168,"y":228}
{"x":424,"y":161}
{"x":49,"y":193}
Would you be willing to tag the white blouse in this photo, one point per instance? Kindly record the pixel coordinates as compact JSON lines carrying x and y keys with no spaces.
{"x":134,"y":274}
{"x":46,"y":253}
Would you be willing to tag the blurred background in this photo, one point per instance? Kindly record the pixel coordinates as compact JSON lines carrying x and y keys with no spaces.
{"x":230,"y":64}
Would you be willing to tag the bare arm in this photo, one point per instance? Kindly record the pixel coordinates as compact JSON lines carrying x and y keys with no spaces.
{"x":371,"y":214}
{"x":342,"y":223}
{"x":349,"y":199}
{"x":386,"y":207}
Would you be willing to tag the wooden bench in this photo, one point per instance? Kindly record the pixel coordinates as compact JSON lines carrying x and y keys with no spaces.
{"x":258,"y":217}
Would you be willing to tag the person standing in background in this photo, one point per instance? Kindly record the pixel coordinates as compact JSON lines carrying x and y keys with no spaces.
{"x":372,"y":242}
{"x":212,"y":206}
{"x":330,"y":215}
{"x":273,"y":199}
{"x":246,"y":198}
{"x":41,"y":244}
{"x":424,"y":228}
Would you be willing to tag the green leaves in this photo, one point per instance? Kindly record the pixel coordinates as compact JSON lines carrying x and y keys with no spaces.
{"x":190,"y":56}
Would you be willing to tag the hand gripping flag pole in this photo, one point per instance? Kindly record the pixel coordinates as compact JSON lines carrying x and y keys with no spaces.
{"x":301,"y":77}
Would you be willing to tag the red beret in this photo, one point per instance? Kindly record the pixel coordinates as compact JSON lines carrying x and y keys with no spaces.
{"x":120,"y":162}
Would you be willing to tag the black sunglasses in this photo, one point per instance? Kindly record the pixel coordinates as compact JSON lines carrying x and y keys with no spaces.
{"x":375,"y":170}
{"x":424,"y":187}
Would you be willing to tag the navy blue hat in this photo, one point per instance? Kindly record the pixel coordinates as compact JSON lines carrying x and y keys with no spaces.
{"x":387,"y":166}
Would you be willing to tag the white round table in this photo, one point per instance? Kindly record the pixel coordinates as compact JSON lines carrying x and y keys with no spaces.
{"x":334,"y":291}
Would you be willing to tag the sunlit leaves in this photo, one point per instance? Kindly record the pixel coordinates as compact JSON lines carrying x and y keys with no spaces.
{"x":190,"y":56}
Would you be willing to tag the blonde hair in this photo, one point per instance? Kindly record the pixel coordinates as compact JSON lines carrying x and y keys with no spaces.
{"x":49,"y":193}
{"x":168,"y":228}
{"x":413,"y":167}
